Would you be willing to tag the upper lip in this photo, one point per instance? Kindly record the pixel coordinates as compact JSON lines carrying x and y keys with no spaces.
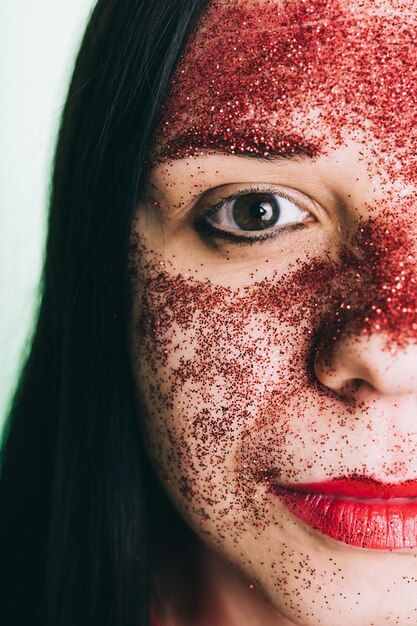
{"x":354,"y":487}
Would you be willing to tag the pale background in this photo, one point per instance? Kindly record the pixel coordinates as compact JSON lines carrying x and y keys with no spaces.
{"x":38,"y":43}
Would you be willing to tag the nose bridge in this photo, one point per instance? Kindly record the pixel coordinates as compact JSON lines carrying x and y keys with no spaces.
{"x":371,"y":332}
{"x":376,"y":289}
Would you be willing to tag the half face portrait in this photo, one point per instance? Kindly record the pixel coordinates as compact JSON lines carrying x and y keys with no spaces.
{"x":274,"y":323}
{"x":216,"y":422}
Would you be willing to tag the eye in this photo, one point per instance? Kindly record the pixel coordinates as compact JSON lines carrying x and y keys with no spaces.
{"x":243,"y":215}
{"x":256,"y":211}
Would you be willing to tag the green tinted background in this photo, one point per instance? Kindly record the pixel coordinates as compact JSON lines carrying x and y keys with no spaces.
{"x":38,"y":43}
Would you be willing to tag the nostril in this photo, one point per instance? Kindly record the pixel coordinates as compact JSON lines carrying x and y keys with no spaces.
{"x":357,"y":366}
{"x":351,"y":389}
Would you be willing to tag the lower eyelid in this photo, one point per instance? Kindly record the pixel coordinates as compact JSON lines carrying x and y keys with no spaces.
{"x":210,"y":233}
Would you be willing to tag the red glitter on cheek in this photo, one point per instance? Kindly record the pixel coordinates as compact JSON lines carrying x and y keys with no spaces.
{"x":230,"y":398}
{"x":296,"y":77}
{"x":221,"y":357}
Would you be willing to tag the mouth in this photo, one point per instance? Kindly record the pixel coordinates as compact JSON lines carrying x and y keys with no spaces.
{"x":360,"y":512}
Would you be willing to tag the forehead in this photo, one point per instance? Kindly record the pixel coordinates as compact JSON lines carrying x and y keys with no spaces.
{"x":266,"y":76}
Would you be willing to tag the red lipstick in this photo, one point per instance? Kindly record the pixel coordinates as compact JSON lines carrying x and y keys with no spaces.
{"x":360,"y":512}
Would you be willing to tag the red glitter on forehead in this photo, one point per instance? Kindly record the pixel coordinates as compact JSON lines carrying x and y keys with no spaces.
{"x":288,"y":77}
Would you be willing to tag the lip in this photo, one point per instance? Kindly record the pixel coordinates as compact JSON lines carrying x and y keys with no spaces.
{"x":359,"y":511}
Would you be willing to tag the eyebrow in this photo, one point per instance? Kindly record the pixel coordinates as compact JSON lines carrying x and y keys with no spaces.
{"x":302,"y":152}
{"x":266,"y":147}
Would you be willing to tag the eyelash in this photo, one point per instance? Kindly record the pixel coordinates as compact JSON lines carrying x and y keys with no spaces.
{"x":209,"y":232}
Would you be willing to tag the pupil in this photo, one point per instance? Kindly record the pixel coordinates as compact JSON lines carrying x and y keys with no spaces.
{"x":256,"y":211}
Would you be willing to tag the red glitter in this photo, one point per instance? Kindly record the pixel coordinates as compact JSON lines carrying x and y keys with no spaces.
{"x":281,"y":78}
{"x":227,"y":376}
{"x":370,"y":289}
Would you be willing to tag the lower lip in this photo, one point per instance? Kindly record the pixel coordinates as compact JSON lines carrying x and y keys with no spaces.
{"x":376,"y":524}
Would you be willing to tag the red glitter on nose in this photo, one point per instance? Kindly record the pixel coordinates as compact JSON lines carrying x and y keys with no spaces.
{"x":375,"y":289}
{"x":370,"y":288}
{"x":383,"y":297}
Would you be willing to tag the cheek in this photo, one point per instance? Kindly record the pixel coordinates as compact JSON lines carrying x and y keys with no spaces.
{"x":226,"y":376}
{"x":210,"y":364}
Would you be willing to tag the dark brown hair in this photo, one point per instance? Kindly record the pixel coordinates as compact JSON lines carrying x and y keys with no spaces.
{"x":73,"y":511}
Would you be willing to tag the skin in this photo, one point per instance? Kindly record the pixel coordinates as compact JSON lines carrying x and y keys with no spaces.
{"x":231,"y":388}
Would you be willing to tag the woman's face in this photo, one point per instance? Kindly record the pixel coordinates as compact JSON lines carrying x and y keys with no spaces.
{"x":275,"y":316}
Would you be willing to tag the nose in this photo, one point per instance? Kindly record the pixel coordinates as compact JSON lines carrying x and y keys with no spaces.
{"x":352,"y":360}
